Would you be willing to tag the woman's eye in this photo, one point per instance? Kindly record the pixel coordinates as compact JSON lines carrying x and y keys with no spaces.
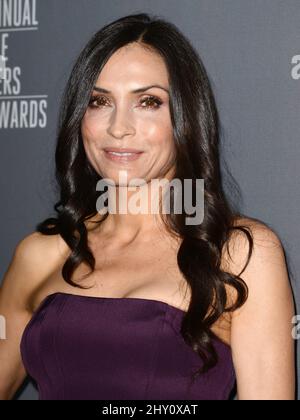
{"x":153,"y":100}
{"x":96,"y":99}
{"x":150,"y":101}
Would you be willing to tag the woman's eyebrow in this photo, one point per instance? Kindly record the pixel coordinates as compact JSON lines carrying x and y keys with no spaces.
{"x":139,"y":90}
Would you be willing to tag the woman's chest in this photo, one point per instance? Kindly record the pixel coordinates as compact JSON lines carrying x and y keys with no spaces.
{"x":146,"y":270}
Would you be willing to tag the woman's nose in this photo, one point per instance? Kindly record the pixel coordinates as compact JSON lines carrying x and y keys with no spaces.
{"x":120,"y":124}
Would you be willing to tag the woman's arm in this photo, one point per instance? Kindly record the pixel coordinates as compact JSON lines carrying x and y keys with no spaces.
{"x":26,"y":270}
{"x":263,"y":348}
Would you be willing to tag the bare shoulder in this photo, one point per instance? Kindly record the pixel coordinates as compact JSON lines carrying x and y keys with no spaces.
{"x":263,"y":266}
{"x":237,"y":249}
{"x":40,"y":253}
{"x":34,"y":258}
{"x":37,"y":246}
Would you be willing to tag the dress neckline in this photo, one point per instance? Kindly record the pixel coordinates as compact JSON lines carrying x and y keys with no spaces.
{"x":111,"y":298}
{"x":179,"y":311}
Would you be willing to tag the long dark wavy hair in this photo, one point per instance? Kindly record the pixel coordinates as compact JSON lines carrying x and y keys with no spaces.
{"x":196,"y":126}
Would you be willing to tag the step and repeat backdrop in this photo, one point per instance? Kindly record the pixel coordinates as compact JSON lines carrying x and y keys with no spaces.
{"x":251,"y":50}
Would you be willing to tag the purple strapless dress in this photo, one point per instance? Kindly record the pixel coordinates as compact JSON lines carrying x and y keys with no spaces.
{"x":101,"y":348}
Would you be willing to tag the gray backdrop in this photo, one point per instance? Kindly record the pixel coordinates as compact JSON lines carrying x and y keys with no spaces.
{"x":251,"y":50}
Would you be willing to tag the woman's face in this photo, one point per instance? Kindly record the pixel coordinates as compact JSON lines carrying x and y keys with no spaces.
{"x":119,"y":118}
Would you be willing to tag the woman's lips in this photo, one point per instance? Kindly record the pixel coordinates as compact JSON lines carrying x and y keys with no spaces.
{"x":122,"y":157}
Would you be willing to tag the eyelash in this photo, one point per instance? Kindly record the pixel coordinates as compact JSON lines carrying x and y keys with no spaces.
{"x":156,"y":100}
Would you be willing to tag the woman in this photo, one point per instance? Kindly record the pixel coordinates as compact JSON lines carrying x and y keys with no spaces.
{"x":122,"y":305}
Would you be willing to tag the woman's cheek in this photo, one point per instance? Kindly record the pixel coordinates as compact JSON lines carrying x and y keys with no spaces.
{"x":90,"y":129}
